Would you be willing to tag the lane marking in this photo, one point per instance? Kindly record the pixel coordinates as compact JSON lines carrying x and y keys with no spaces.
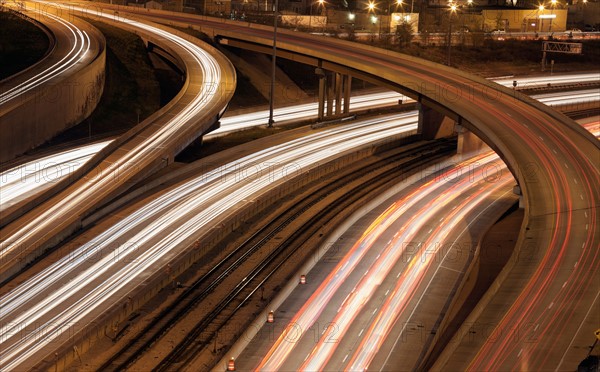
{"x":448,"y":268}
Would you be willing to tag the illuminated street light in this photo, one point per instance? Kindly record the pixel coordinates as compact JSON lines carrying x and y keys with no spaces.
{"x":541,"y":8}
{"x":371,"y":6}
{"x":273,"y":64}
{"x":351,"y":16}
{"x":453,"y":8}
{"x":324,"y":11}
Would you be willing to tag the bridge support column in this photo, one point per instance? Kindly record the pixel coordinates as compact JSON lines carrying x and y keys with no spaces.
{"x":517,"y":191}
{"x":338,"y":93}
{"x":433,"y":124}
{"x":347,"y":87}
{"x":469,"y":143}
{"x":330,"y":83}
{"x":322,"y":81}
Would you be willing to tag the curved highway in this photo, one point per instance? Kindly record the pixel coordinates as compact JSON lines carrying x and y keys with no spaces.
{"x":555,"y":163}
{"x":397,"y":279}
{"x":210,"y":81}
{"x":19,"y":183}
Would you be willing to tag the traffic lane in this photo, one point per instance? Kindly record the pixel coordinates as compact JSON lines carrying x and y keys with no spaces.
{"x":412,"y":334}
{"x":419,"y":197}
{"x":23,"y":181}
{"x":416,"y":257}
{"x":328,"y":288}
{"x":568,"y":272}
{"x":532,"y":332}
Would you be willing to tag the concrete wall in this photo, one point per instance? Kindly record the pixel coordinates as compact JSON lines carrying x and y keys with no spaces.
{"x":52,"y":108}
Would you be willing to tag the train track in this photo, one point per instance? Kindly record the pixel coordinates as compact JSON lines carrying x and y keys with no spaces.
{"x":375,"y":174}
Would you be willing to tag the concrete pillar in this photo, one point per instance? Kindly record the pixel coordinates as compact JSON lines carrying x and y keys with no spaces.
{"x":330,"y":83}
{"x":338,"y":93}
{"x":468,"y":142}
{"x":322,"y":81}
{"x":517,"y":191}
{"x":347,"y":87}
{"x":433,"y":124}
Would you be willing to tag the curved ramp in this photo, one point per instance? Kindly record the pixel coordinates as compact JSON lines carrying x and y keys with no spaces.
{"x":209,"y":85}
{"x":57,"y":92}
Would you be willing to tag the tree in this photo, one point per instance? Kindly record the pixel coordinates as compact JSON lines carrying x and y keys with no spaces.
{"x":404,"y":33}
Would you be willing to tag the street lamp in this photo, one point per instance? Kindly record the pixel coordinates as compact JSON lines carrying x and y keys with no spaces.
{"x":273,"y":64}
{"x":399,"y":3}
{"x":371,"y":8}
{"x":322,"y":3}
{"x":453,"y":8}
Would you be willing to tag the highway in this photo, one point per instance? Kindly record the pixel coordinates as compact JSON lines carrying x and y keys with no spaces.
{"x":394,"y":277}
{"x":401,"y":247}
{"x":54,"y":304}
{"x":151,"y":145}
{"x":555,"y":163}
{"x":560,"y":194}
{"x":19,"y":183}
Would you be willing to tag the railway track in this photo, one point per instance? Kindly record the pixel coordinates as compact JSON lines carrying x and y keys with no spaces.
{"x":357,"y":181}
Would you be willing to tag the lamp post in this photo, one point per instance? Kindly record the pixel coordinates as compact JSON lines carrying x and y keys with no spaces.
{"x":322,"y":3}
{"x":452,"y":11}
{"x":273,"y":65}
{"x":399,"y":3}
{"x":373,"y":18}
{"x":541,"y":9}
